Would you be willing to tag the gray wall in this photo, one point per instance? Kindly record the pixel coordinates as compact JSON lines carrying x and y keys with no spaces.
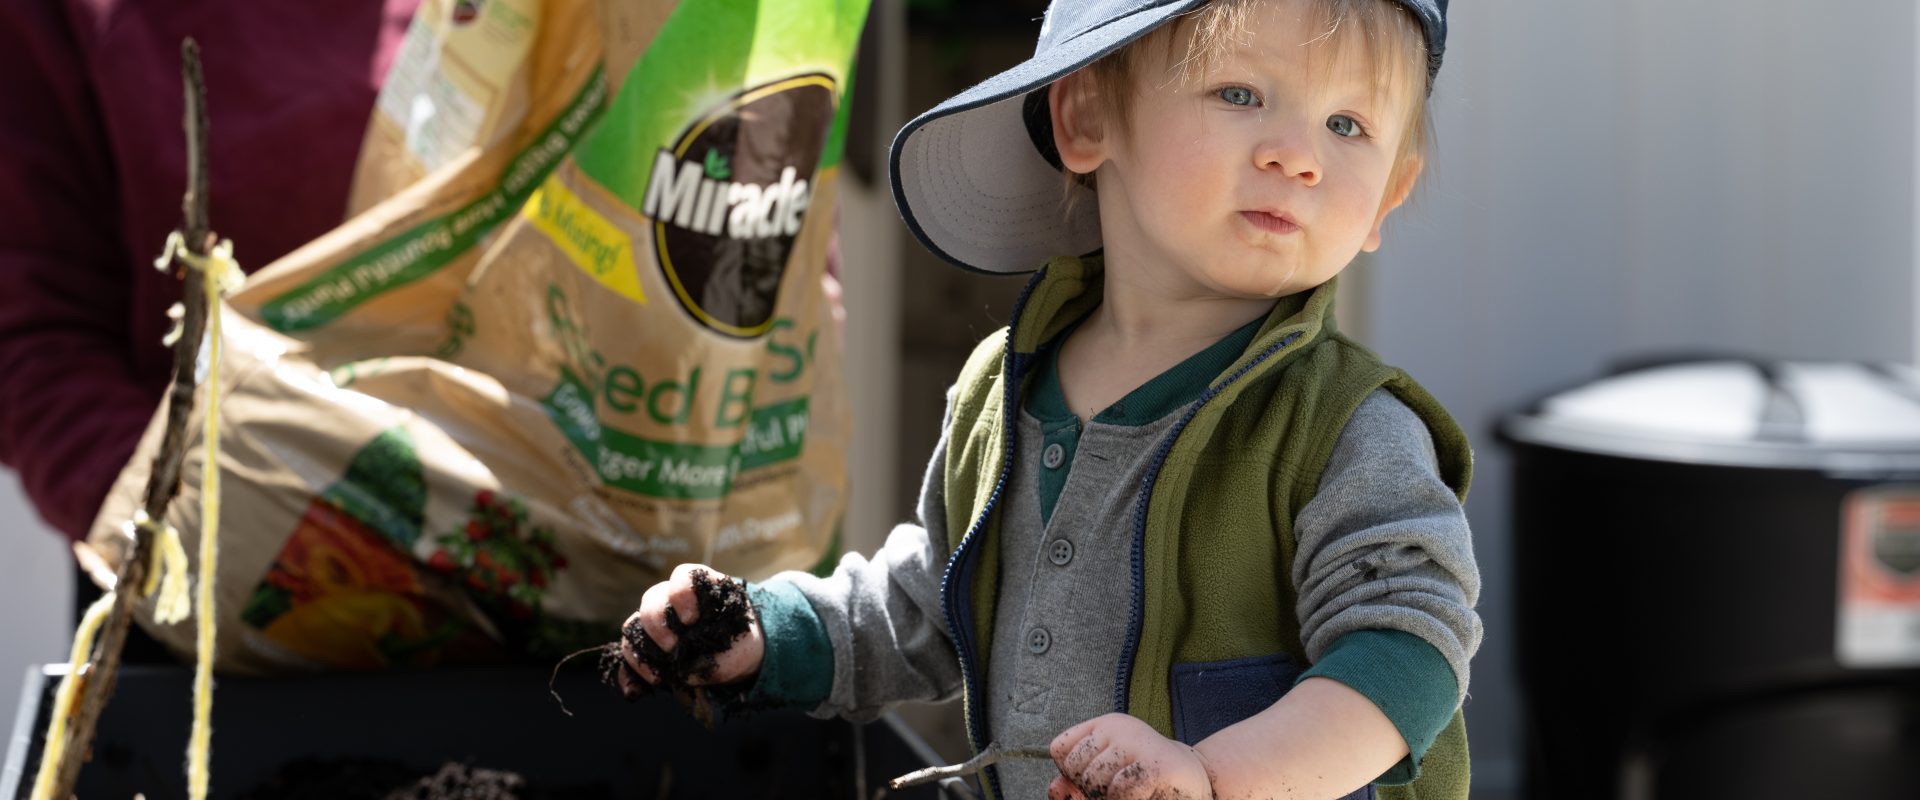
{"x":1637,"y":177}
{"x":36,"y":589}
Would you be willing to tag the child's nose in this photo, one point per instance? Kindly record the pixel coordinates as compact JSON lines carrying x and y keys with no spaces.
{"x":1291,"y":155}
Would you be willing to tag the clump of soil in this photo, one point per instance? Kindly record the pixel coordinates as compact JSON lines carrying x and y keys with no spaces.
{"x":725,"y":616}
{"x":465,"y":783}
{"x":381,"y":779}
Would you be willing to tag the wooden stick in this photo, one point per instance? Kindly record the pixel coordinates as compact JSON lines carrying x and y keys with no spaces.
{"x":163,"y":480}
{"x":994,"y":754}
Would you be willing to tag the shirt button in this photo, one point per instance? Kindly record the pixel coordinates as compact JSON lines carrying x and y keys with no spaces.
{"x":1038,"y":640}
{"x":1060,"y":552}
{"x":1054,"y":456}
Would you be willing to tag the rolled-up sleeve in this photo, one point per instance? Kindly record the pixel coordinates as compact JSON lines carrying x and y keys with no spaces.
{"x":1385,"y":545}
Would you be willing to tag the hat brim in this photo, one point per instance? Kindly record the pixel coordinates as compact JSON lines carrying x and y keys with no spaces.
{"x":970,"y":183}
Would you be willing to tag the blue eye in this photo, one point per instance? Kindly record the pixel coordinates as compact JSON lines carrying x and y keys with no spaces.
{"x":1237,"y":95}
{"x":1344,"y":125}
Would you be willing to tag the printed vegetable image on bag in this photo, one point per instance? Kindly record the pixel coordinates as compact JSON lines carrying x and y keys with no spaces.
{"x":580,"y":339}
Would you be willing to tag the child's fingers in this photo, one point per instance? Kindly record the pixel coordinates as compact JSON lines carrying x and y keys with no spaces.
{"x":675,"y":594}
{"x":653,"y":615}
{"x":740,"y":659}
{"x":631,"y":686}
{"x":634,"y":676}
{"x":1135,"y":780}
{"x":1081,"y":754}
{"x":1063,"y":789}
{"x":1068,"y":739}
{"x":1097,"y":775}
{"x":635,"y":665}
{"x":624,"y":678}
{"x":638,"y":617}
{"x":685,"y":605}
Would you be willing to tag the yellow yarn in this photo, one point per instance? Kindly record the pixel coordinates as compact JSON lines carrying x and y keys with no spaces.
{"x":218,"y":263}
{"x":56,"y":742}
{"x":157,"y":559}
{"x":221,"y":274}
{"x":175,"y":601}
{"x":167,"y":571}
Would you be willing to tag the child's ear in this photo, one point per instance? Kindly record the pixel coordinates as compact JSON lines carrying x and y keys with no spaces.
{"x":1077,"y":128}
{"x":1397,"y":194}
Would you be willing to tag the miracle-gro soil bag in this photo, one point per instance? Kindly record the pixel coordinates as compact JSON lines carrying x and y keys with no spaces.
{"x":583,"y":338}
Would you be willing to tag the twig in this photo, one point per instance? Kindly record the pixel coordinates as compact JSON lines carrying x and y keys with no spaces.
{"x":163,"y":480}
{"x":601,"y":649}
{"x":994,"y":754}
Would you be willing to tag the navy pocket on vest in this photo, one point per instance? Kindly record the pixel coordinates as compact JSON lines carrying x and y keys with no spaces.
{"x":1210,"y":695}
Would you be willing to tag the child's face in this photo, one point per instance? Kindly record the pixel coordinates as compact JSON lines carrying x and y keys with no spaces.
{"x":1261,"y":178}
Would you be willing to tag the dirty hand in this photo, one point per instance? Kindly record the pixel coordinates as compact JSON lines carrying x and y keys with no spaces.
{"x":740,"y":660}
{"x":1118,"y":757}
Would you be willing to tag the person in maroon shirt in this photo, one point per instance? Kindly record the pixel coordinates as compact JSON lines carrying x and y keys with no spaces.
{"x":92,"y":166}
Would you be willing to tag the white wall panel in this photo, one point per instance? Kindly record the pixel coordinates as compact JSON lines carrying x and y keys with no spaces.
{"x":1620,"y":179}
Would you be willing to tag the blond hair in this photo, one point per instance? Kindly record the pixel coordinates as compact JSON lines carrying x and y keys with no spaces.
{"x":1386,"y":35}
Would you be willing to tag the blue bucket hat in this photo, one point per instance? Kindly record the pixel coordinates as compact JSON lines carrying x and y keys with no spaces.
{"x":977,"y":178}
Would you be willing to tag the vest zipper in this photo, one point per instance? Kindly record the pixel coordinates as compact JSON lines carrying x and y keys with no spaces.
{"x":956,"y":583}
{"x":1124,"y":679}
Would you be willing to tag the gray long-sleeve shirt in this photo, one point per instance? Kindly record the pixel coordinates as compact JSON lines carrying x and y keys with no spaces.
{"x":1383,"y":545}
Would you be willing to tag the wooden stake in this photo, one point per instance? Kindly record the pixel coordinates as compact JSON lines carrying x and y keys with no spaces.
{"x":163,"y":480}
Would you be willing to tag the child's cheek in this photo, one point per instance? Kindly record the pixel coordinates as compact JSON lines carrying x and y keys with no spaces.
{"x":1190,"y":173}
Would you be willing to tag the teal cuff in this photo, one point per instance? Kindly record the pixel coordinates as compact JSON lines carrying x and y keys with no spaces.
{"x":797,"y":670}
{"x":1406,"y":677}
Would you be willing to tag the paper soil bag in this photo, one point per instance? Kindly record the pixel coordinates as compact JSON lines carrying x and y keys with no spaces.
{"x":480,"y":418}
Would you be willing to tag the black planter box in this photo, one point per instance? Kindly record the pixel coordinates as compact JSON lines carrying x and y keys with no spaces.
{"x":492,"y":718}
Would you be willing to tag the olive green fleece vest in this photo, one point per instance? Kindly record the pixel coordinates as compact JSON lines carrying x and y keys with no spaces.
{"x":1218,"y":541}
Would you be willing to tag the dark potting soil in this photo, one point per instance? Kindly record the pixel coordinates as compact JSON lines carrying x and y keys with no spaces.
{"x":313,"y":779}
{"x":378,"y":779}
{"x":725,"y":615}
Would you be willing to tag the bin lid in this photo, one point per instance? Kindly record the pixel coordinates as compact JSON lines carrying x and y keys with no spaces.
{"x":1835,"y":416}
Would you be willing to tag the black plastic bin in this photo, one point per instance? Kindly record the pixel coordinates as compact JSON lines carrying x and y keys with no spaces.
{"x":1717,"y":583}
{"x":494,"y":718}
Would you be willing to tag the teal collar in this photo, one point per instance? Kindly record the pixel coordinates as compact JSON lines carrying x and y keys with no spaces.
{"x":1166,"y":393}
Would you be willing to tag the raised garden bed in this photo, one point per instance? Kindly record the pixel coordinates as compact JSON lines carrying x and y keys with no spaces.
{"x":278,"y":737}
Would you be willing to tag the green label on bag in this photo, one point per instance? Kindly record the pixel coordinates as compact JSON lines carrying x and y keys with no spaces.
{"x":432,"y":244}
{"x":774,"y":434}
{"x":707,"y":54}
{"x":718,"y":137}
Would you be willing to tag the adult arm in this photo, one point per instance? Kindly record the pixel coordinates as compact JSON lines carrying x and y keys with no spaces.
{"x":71,"y":408}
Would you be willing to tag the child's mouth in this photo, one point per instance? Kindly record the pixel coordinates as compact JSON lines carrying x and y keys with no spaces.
{"x":1271,"y":223}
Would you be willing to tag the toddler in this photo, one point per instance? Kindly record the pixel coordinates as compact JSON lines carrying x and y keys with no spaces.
{"x":1178,"y":526}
